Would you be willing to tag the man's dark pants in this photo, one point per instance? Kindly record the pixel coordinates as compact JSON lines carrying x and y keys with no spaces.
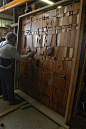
{"x":7,"y":78}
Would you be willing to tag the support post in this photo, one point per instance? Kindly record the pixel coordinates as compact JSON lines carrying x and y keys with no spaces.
{"x":15,"y":14}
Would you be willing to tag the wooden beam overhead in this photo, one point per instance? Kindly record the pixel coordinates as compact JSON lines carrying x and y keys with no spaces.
{"x":8,"y":13}
{"x":13,"y":4}
{"x":8,"y":19}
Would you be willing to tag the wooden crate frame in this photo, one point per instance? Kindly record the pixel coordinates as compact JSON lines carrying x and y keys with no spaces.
{"x":77,"y":48}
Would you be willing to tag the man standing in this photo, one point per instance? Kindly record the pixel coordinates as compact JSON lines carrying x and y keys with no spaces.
{"x":7,"y":53}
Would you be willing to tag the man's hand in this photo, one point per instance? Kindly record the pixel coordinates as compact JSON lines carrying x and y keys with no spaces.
{"x":31,"y":54}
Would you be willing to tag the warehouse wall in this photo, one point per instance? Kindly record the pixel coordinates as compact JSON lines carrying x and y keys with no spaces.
{"x":46,"y":77}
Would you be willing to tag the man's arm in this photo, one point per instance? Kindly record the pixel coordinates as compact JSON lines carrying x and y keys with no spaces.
{"x":14,"y":53}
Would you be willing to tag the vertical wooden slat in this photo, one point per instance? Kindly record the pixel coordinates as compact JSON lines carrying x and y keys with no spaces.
{"x":75,"y":63}
{"x":15,"y":19}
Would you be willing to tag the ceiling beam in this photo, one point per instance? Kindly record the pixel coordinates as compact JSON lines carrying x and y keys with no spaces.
{"x":8,"y":19}
{"x":13,"y":4}
{"x":8,"y":13}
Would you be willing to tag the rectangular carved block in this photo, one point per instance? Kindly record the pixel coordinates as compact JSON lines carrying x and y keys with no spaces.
{"x":61,"y":97}
{"x":40,"y":61}
{"x":42,"y":40}
{"x":39,"y":97}
{"x":76,"y":5}
{"x":51,"y":22}
{"x":40,"y":50}
{"x":73,"y":38}
{"x":74,"y":19}
{"x":45,"y":100}
{"x":44,"y":23}
{"x":58,"y":82}
{"x":49,"y":64}
{"x":64,"y":39}
{"x":39,"y":23}
{"x":40,"y":87}
{"x":56,"y":96}
{"x":45,"y":77}
{"x":53,"y":105}
{"x":60,"y":21}
{"x":65,"y":9}
{"x":60,"y":67}
{"x":44,"y":51}
{"x":45,"y":15}
{"x":61,"y":110}
{"x":51,"y":31}
{"x":62,"y":52}
{"x":36,"y":73}
{"x":40,"y":75}
{"x":76,"y":11}
{"x":67,"y":84}
{"x":49,"y":37}
{"x":29,"y":41}
{"x":21,"y":79}
{"x":29,"y":91}
{"x":52,"y":13}
{"x":54,"y":52}
{"x":34,"y":94}
{"x":60,"y":12}
{"x":53,"y":40}
{"x":35,"y":41}
{"x":71,"y":53}
{"x":27,"y":27}
{"x":70,"y":7}
{"x":35,"y":84}
{"x":47,"y":90}
{"x":65,"y":98}
{"x":58,"y":39}
{"x":22,"y":69}
{"x":65,"y":21}
{"x":34,"y":25}
{"x":77,"y":18}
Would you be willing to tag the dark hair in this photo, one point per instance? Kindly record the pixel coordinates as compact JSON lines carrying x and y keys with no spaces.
{"x":10,"y":35}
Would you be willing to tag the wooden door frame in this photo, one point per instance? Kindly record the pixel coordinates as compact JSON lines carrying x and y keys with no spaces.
{"x":77,"y":48}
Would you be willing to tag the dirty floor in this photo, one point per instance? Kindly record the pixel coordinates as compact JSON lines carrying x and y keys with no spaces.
{"x":28,"y":118}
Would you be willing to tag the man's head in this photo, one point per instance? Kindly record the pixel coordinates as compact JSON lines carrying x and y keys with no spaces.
{"x":11,"y":36}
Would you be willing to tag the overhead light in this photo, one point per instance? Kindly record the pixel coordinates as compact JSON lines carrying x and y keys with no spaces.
{"x":59,"y":7}
{"x":47,"y":1}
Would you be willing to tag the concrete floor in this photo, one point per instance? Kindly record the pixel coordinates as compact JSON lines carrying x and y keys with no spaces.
{"x":28,"y":118}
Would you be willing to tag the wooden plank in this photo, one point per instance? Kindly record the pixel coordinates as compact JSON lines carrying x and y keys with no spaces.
{"x":11,"y":109}
{"x":8,"y":19}
{"x":25,"y":106}
{"x":8,"y":13}
{"x":75,"y":64}
{"x":48,"y":112}
{"x":13,"y":4}
{"x":61,"y":128}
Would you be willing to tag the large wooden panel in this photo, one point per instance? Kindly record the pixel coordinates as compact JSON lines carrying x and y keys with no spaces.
{"x":48,"y":74}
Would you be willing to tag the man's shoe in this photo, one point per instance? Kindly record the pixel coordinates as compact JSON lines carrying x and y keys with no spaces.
{"x":5,"y":98}
{"x":15,"y":101}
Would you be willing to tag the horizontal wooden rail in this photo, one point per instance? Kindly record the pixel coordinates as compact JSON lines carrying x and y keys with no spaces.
{"x":13,"y":4}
